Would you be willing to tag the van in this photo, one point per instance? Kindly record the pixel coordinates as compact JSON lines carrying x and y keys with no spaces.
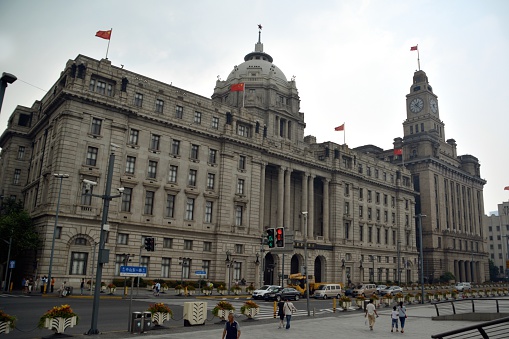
{"x":462,"y":286}
{"x":328,"y":290}
{"x":365,"y":290}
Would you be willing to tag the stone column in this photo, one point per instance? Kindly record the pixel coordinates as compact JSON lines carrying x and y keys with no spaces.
{"x":280,"y":196}
{"x":311,"y":203}
{"x":326,"y":209}
{"x":262,"y":196}
{"x":288,"y":175}
{"x":468,"y":273}
{"x":304,"y":202}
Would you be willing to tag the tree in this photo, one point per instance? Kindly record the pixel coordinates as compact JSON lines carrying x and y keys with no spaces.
{"x":493,"y":271}
{"x":446,"y":277}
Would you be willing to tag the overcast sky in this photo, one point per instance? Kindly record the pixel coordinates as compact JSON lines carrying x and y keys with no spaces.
{"x":351,"y":59}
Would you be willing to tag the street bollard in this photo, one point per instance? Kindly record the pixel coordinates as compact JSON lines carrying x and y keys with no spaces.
{"x":334,"y":305}
{"x":275,"y":309}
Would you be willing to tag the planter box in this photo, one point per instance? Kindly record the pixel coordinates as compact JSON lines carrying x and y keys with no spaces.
{"x":346,"y":305}
{"x":195,"y":313}
{"x":160,"y":317}
{"x":376,"y":302}
{"x":251,"y":312}
{"x":59,"y":324}
{"x":207,"y":292}
{"x":223,"y":314}
{"x":410,"y":299}
{"x":179,"y":291}
{"x":5,"y":327}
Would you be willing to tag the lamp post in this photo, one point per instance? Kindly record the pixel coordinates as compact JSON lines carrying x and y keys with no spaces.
{"x":7,"y":78}
{"x":421,"y":260}
{"x":305,"y":214}
{"x":229,"y":263}
{"x":61,"y":177}
{"x":184,"y":262}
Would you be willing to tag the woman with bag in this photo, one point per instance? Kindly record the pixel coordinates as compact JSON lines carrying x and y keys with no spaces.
{"x":288,"y":310}
{"x":402,"y":316}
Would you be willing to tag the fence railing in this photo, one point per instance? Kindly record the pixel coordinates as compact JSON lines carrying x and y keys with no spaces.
{"x":495,"y":329}
{"x":467,"y":306}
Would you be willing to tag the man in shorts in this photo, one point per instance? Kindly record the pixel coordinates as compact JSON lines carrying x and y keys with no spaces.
{"x":371,"y":313}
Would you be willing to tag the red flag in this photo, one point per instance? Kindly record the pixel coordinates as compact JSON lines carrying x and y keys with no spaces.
{"x":340,"y":128}
{"x":506,"y":188}
{"x":398,"y":151}
{"x":413,"y":48}
{"x":237,"y":87}
{"x":104,"y":34}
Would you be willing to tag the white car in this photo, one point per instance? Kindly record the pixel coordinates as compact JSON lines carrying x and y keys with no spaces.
{"x":463,"y":286}
{"x":260,"y":293}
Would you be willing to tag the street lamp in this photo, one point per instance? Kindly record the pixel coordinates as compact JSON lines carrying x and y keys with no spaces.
{"x":421,"y":260}
{"x":184,"y":262}
{"x":61,"y":177}
{"x":305,"y":214}
{"x":7,"y":78}
{"x":229,"y":264}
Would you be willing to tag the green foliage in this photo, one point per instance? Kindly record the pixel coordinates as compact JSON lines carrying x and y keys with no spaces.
{"x":446,"y":277}
{"x":222,"y":305}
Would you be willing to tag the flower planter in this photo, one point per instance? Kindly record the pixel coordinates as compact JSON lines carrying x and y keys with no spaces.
{"x":59,"y":324}
{"x":223,"y":314}
{"x":359,"y":303}
{"x":222,"y":292}
{"x":160,"y":317}
{"x":410,"y":299}
{"x":236,"y":292}
{"x":207,"y":292}
{"x":448,"y":296}
{"x":346,"y":305}
{"x":179,"y":291}
{"x":112,"y":290}
{"x":5,"y":327}
{"x":251,"y":312}
{"x":190,"y":292}
{"x":400,"y":299}
{"x":376,"y":302}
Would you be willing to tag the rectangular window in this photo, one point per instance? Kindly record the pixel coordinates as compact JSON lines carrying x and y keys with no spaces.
{"x":154,"y":142}
{"x":78,"y":263}
{"x":239,"y":248}
{"x":242,"y":162}
{"x":361,"y":193}
{"x":192,"y":177}
{"x":149,"y":202}
{"x":167,"y":243}
{"x":101,"y":87}
{"x":189,"y":209}
{"x":195,"y":151}
{"x":378,"y":235}
{"x":208,"y":211}
{"x":385,"y":198}
{"x":95,"y":128}
{"x":240,"y":186}
{"x":152,"y":169}
{"x":243,"y":130}
{"x":17,"y":175}
{"x":361,"y":211}
{"x":145,"y":262}
{"x":205,"y":267}
{"x":347,"y":190}
{"x":188,"y":245}
{"x":369,"y":213}
{"x":133,"y":136}
{"x":172,"y":176}
{"x":179,"y":112}
{"x":130,"y":164}
{"x":126,"y":199}
{"x":386,"y":236}
{"x":91,"y":156}
{"x":86,"y":199}
{"x":369,"y":195}
{"x":237,"y":270}
{"x":122,"y":238}
{"x":370,"y":234}
{"x":197,"y":117}
{"x":377,"y":197}
{"x":347,"y":230}
{"x":138,"y":99}
{"x":212,"y":156}
{"x":211,"y":178}
{"x":361,"y":232}
{"x":238,"y":215}
{"x":215,"y":123}
{"x":165,"y":267}
{"x":207,"y":246}
{"x":175,"y":147}
{"x":170,"y":205}
{"x":21,"y":152}
{"x":386,"y":216}
{"x":159,"y":106}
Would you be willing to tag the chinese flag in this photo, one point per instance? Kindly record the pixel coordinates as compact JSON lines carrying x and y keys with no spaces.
{"x":340,"y":128}
{"x":104,"y":34}
{"x":398,"y":151}
{"x":506,"y":188}
{"x":413,"y":48}
{"x":237,"y":87}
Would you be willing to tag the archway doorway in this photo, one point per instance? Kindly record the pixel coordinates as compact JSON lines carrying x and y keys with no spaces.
{"x":295,"y":264}
{"x":268,"y":273}
{"x":319,"y":269}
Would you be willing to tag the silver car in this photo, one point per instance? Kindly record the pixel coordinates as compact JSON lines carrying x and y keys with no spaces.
{"x":260,"y":293}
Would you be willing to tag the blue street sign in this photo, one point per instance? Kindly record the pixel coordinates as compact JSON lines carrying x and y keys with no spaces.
{"x":12,"y":264}
{"x":133,"y":271}
{"x":200,"y":272}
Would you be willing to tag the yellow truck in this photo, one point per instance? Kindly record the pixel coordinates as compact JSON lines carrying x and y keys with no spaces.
{"x":298,"y":281}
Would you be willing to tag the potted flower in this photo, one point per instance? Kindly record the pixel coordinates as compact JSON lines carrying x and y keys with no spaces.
{"x":150,"y":285}
{"x":164,"y":287}
{"x":250,"y":309}
{"x":359,"y":301}
{"x":399,"y":297}
{"x":250,"y":289}
{"x":387,"y":299}
{"x":418,"y":296}
{"x":160,"y":313}
{"x":6,"y":322}
{"x":236,"y":289}
{"x":346,"y":302}
{"x":222,"y":309}
{"x":112,"y":288}
{"x":376,"y":300}
{"x":58,"y":319}
{"x":179,"y":289}
{"x":191,"y":289}
{"x":409,"y":298}
{"x":439,"y":295}
{"x":447,"y":294}
{"x":221,"y":290}
{"x":207,"y":290}
{"x":430,"y":296}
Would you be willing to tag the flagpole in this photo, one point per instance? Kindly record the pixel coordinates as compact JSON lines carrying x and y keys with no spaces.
{"x":418,"y":59}
{"x":108,"y":48}
{"x":344,"y":134}
{"x":243,"y":95}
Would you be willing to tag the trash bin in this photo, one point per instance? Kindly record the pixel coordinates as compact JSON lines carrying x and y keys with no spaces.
{"x":136,"y":322}
{"x":147,"y":321}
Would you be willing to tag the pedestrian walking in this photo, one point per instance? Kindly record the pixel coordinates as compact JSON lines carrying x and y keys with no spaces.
{"x":52,"y":284}
{"x":231,"y":328}
{"x":402,"y":316}
{"x":370,"y":314}
{"x":23,"y":285}
{"x":157,"y":288}
{"x":82,"y":286}
{"x":62,"y":290}
{"x":394,"y":319}
{"x":288,"y":310}
{"x":281,"y":312}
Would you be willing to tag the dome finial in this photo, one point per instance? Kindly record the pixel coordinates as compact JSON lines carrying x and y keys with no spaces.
{"x":259,"y":33}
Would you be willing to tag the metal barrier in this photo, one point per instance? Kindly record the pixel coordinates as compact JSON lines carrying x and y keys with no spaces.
{"x":494,"y":329}
{"x":468,"y":306}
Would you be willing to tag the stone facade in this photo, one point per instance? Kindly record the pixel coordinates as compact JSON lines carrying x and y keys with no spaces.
{"x":496,"y":228}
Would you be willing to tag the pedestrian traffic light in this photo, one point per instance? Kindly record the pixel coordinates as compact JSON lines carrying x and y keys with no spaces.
{"x":280,"y":237}
{"x":270,"y":237}
{"x":149,"y":244}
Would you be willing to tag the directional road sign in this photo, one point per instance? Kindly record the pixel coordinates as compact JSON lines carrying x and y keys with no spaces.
{"x":200,"y":272}
{"x":133,"y":271}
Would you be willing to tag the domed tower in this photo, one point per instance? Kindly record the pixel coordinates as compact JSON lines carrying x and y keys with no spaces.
{"x":271,"y":100}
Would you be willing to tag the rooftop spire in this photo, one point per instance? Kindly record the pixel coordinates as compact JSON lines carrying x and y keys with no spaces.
{"x":259,"y":33}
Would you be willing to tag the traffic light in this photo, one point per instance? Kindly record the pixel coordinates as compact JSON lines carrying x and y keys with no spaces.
{"x":280,"y":237}
{"x":149,"y":244}
{"x":270,"y":237}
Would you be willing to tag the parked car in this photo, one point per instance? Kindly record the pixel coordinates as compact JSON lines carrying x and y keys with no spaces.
{"x":328,"y":291}
{"x":365,"y":290}
{"x":282,"y":294}
{"x":463,"y":286}
{"x":379,"y":288}
{"x":260,"y":293}
{"x":391,"y":290}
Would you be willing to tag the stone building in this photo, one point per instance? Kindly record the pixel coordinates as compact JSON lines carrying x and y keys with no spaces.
{"x":496,"y":228}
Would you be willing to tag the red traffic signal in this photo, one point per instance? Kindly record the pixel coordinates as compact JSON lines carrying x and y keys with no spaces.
{"x":280,"y":237}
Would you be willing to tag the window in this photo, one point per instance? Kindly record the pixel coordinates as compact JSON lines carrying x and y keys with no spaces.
{"x":152,"y":169}
{"x":240,"y":186}
{"x":377,"y":197}
{"x":91,"y":156}
{"x":80,"y":241}
{"x":347,"y":230}
{"x":165,"y":267}
{"x":21,"y":152}
{"x":172,"y":176}
{"x":194,"y":151}
{"x":242,"y":162}
{"x":369,"y":213}
{"x":386,"y":236}
{"x":145,"y":262}
{"x":197,"y":117}
{"x":393,"y":201}
{"x":239,"y":248}
{"x":86,"y":199}
{"x":58,"y":232}
{"x":378,"y":235}
{"x":361,"y":211}
{"x":211,"y":178}
{"x":189,"y":209}
{"x":175,"y":147}
{"x":188,"y":245}
{"x":347,"y":208}
{"x":237,"y":270}
{"x":179,"y":112}
{"x":167,"y":243}
{"x":243,"y":130}
{"x":386,"y":216}
{"x":130,"y":165}
{"x":154,"y":141}
{"x":159,"y":106}
{"x":17,"y":174}
{"x":186,"y":268}
{"x":95,"y":128}
{"x":138,"y":99}
{"x":212,"y":156}
{"x":369,"y":195}
{"x":170,"y":205}
{"x":126,"y":199}
{"x":215,"y":122}
{"x":206,"y":267}
{"x":207,"y":246}
{"x":208,"y":211}
{"x":361,"y":232}
{"x":385,"y":198}
{"x":149,"y":202}
{"x":238,"y":215}
{"x":192,"y":177}
{"x":394,"y":237}
{"x":78,"y":263}
{"x":370,"y":234}
{"x":361,"y":193}
{"x":376,"y":173}
{"x":133,"y":136}
{"x":347,"y":190}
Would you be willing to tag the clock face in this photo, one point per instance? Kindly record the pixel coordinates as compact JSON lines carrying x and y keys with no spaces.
{"x":416,"y":105}
{"x":433,"y":104}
